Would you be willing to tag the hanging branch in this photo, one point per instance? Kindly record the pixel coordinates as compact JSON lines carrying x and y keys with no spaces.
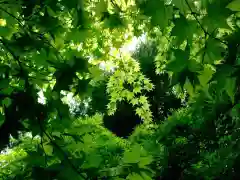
{"x":19,"y":21}
{"x":45,"y":155}
{"x":12,"y":53}
{"x":26,"y":29}
{"x":205,"y":47}
{"x":60,"y":149}
{"x":204,"y":30}
{"x":4,"y":2}
{"x":17,"y":58}
{"x":116,"y":6}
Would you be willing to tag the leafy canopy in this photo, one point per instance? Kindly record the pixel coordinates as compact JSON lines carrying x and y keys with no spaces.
{"x":63,"y":70}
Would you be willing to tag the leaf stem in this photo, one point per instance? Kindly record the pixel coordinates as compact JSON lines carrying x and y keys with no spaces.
{"x":12,"y":53}
{"x":11,"y":16}
{"x":60,"y":149}
{"x":204,"y":30}
{"x":115,"y":4}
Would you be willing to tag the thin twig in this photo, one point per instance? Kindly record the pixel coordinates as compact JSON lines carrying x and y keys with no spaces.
{"x":30,"y":31}
{"x":204,"y":30}
{"x":205,"y":48}
{"x":17,"y":58}
{"x":76,"y":138}
{"x":114,"y":4}
{"x":4,"y":2}
{"x":45,"y":155}
{"x":34,"y":13}
{"x":19,"y":21}
{"x":12,"y":53}
{"x":60,"y":149}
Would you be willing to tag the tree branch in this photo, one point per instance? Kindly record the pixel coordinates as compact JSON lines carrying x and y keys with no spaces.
{"x":19,"y":21}
{"x":26,"y":29}
{"x":60,"y":149}
{"x":116,"y":6}
{"x":204,"y":30}
{"x":12,"y":53}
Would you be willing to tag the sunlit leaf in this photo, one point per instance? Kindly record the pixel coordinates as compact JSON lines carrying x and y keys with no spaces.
{"x":230,"y":87}
{"x":48,"y":149}
{"x":134,"y":176}
{"x":144,"y":161}
{"x":234,"y":5}
{"x":131,"y":157}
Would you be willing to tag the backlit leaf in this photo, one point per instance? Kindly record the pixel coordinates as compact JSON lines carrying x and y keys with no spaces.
{"x":48,"y":149}
{"x":234,"y":5}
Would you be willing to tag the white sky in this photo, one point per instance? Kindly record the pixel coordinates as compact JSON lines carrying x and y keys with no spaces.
{"x":132,"y":45}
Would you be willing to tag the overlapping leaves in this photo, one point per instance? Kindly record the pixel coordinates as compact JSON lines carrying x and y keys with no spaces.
{"x":53,"y":46}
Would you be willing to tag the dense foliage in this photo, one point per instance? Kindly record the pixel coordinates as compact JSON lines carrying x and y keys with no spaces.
{"x":75,"y":104}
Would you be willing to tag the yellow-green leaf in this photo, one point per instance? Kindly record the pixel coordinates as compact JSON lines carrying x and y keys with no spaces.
{"x":234,"y":5}
{"x":48,"y":149}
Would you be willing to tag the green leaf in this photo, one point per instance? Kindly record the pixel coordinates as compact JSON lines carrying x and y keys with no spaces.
{"x":204,"y":3}
{"x":7,"y":102}
{"x":49,"y":22}
{"x":212,"y":52}
{"x":145,"y":176}
{"x":140,"y":112}
{"x":143,"y":100}
{"x":70,"y":173}
{"x":77,"y":35}
{"x":230,"y":87}
{"x":35,"y":129}
{"x":40,"y":58}
{"x":114,"y":21}
{"x":35,"y":159}
{"x":159,"y":13}
{"x":234,"y":5}
{"x":134,"y":101}
{"x":64,"y":78}
{"x":206,"y":75}
{"x":129,"y":95}
{"x":48,"y":149}
{"x":5,"y":32}
{"x":88,"y":139}
{"x":131,"y":157}
{"x":182,"y":5}
{"x":235,"y":110}
{"x":162,"y":16}
{"x":134,"y":176}
{"x":2,"y":119}
{"x":59,"y":42}
{"x":195,"y":66}
{"x":137,"y":89}
{"x":223,"y":71}
{"x":4,"y":83}
{"x":93,"y":161}
{"x":181,"y":77}
{"x":7,"y":91}
{"x":79,"y":19}
{"x":184,"y":30}
{"x":58,"y":134}
{"x":82,"y":86}
{"x":216,"y":17}
{"x":179,"y":62}
{"x":188,"y":86}
{"x":144,"y":161}
{"x":101,"y":7}
{"x":80,"y":64}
